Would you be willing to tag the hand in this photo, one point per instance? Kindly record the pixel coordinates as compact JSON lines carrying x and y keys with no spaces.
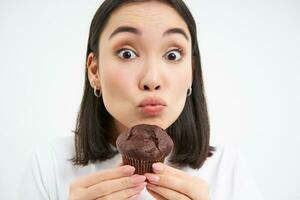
{"x":118,"y":183}
{"x":167,"y":183}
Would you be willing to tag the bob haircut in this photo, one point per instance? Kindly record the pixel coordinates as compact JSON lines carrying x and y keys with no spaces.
{"x":190,"y":132}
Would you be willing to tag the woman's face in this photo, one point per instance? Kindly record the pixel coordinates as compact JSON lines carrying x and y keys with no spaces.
{"x":145,"y":68}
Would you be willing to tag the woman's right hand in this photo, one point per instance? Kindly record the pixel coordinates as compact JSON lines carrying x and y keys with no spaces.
{"x":117,"y":183}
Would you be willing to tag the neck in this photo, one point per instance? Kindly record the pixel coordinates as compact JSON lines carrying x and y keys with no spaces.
{"x":116,"y":129}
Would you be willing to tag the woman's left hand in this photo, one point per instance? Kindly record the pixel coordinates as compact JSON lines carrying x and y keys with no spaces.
{"x":167,"y":183}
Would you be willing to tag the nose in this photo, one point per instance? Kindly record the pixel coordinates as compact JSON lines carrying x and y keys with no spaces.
{"x":150,"y":86}
{"x":151,"y":78}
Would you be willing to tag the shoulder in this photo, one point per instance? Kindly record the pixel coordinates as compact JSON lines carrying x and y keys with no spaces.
{"x":228,"y":167}
{"x":59,"y":148}
{"x":51,"y":156}
{"x":42,"y":171}
{"x":223,"y":160}
{"x":226,"y":153}
{"x":63,"y":147}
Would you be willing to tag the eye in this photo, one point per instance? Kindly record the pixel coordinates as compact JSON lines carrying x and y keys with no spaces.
{"x":174,"y":55}
{"x":126,"y":54}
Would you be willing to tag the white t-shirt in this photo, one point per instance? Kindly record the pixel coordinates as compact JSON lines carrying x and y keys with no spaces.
{"x":50,"y":173}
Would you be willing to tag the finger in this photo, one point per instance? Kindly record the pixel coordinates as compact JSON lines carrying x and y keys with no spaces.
{"x":160,"y":168}
{"x":129,"y":193}
{"x":155,"y":195}
{"x":167,"y":193}
{"x":134,"y":197}
{"x":97,"y":177}
{"x":110,"y":186}
{"x":178,"y":184}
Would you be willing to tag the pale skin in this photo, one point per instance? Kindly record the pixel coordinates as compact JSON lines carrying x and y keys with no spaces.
{"x":132,"y":66}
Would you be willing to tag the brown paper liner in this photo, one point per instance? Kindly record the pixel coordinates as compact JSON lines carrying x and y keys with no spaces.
{"x":141,"y":166}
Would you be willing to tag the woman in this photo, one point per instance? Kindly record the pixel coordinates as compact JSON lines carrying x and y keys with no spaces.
{"x":142,"y":66}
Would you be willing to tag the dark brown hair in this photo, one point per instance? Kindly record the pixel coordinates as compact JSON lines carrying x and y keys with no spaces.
{"x":190,"y":132}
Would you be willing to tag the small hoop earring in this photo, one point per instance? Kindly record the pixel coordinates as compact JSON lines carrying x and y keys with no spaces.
{"x":95,"y":92}
{"x":189,"y":92}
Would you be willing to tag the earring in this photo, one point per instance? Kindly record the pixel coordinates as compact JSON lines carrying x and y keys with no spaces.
{"x":189,"y":92}
{"x":95,"y":92}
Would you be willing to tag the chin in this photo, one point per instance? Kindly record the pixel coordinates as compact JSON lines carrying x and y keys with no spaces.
{"x":153,"y":121}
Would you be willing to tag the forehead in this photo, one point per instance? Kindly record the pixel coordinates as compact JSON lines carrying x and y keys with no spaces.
{"x":151,"y":15}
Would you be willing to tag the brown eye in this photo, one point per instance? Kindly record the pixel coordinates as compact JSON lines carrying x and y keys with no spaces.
{"x":174,"y":55}
{"x":126,"y":54}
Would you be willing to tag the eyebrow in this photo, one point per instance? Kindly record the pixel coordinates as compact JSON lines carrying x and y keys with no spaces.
{"x":133,"y":30}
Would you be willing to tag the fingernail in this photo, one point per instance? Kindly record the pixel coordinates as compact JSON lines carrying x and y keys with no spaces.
{"x":150,"y":186}
{"x":127,"y":169}
{"x":138,"y":179}
{"x":139,"y":188}
{"x":157,"y":166}
{"x":152,"y":178}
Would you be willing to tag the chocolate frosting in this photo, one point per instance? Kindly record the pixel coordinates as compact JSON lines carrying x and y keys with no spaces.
{"x":145,"y":142}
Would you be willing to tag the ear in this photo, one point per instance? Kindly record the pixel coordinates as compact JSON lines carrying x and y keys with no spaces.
{"x":93,"y":71}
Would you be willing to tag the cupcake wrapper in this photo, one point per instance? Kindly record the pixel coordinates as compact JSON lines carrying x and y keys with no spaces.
{"x":141,"y":166}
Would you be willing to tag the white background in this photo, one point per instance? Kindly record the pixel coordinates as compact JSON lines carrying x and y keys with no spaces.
{"x":250,"y":57}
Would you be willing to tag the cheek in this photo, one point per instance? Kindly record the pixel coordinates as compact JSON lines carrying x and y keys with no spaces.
{"x":116,"y":86}
{"x":114,"y":82}
{"x":181,"y":82}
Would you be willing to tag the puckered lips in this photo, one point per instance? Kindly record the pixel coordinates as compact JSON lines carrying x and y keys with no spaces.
{"x":152,"y":106}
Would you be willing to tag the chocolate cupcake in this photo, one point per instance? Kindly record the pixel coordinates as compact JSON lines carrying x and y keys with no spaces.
{"x":142,"y":145}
